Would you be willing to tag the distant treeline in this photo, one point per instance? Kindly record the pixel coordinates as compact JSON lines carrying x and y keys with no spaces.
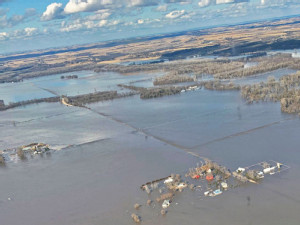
{"x":79,"y":100}
{"x":220,"y":69}
{"x":131,"y":87}
{"x":172,"y":78}
{"x":159,"y":92}
{"x":182,"y":54}
{"x":28,"y":102}
{"x":265,"y":64}
{"x":195,"y":67}
{"x":69,"y":77}
{"x":37,"y":70}
{"x":219,"y":86}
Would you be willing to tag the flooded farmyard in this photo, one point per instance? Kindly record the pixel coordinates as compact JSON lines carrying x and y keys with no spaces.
{"x":149,"y":112}
{"x":106,"y":151}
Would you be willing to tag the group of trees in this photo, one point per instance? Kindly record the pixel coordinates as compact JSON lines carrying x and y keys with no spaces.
{"x":81,"y":100}
{"x":159,"y":92}
{"x":265,"y":64}
{"x":172,"y":78}
{"x":220,"y":86}
{"x":28,"y":102}
{"x":291,"y":104}
{"x":286,"y":90}
{"x":69,"y":77}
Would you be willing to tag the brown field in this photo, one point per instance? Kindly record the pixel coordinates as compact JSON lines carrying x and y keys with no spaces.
{"x":222,"y":40}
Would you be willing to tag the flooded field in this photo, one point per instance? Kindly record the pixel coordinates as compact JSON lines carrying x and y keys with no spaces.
{"x":49,"y":86}
{"x":112,"y":149}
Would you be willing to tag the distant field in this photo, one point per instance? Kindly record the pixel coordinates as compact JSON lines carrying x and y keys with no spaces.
{"x":221,"y":41}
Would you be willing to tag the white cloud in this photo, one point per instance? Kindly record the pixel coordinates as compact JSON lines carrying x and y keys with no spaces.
{"x":27,"y":32}
{"x":84,"y":24}
{"x":4,"y":36}
{"x":75,"y":6}
{"x":53,"y":11}
{"x":177,"y":1}
{"x":30,"y":31}
{"x":140,"y":21}
{"x":175,"y":14}
{"x":75,"y":25}
{"x":141,"y":3}
{"x":99,"y":15}
{"x":204,"y":3}
{"x":224,"y":1}
{"x":101,"y":23}
{"x":162,"y":8}
{"x":115,"y":22}
{"x":15,"y":19}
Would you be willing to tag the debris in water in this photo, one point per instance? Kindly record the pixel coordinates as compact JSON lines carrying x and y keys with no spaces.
{"x":163,"y":212}
{"x":192,"y":186}
{"x":136,"y":218}
{"x":224,"y":185}
{"x":218,"y":192}
{"x":166,"y":204}
{"x":2,"y":160}
{"x":137,"y":206}
{"x":164,"y":196}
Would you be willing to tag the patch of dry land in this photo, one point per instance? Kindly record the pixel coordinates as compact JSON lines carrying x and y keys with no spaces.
{"x":252,"y":38}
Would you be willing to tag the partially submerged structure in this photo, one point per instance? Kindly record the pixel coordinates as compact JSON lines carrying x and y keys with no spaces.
{"x":216,"y":178}
{"x":22,"y":152}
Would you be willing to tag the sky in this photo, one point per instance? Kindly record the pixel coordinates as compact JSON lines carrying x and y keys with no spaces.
{"x":39,"y":24}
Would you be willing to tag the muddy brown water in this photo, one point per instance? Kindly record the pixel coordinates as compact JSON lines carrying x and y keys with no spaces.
{"x":121,"y":144}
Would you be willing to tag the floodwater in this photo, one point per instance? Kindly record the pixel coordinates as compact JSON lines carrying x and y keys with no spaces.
{"x":294,"y":52}
{"x":49,"y":86}
{"x":119,"y":145}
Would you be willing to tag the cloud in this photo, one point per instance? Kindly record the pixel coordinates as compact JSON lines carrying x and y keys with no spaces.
{"x":6,"y":22}
{"x":4,"y":36}
{"x":140,"y":21}
{"x":85,"y":24}
{"x":30,"y":31}
{"x":20,"y":34}
{"x":99,"y":15}
{"x":230,"y":1}
{"x":92,"y":21}
{"x":161,"y":8}
{"x":278,"y":2}
{"x":177,"y":1}
{"x":205,"y":3}
{"x":53,"y":11}
{"x":75,"y":6}
{"x":143,"y":3}
{"x":175,"y":14}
